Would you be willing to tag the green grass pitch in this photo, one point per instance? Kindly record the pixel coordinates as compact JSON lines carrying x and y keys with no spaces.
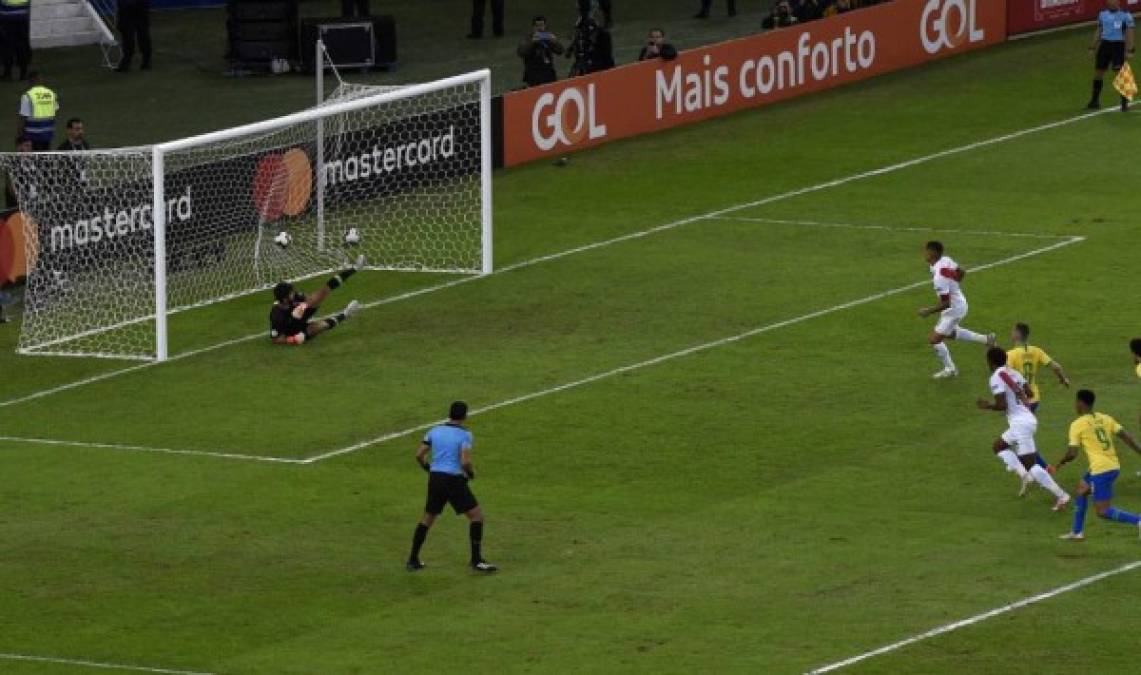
{"x":767,"y":505}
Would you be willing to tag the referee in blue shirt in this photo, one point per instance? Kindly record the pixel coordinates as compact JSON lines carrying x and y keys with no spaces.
{"x":448,"y":474}
{"x":1113,"y":38}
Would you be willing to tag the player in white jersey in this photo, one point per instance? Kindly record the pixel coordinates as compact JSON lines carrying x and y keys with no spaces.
{"x":952,"y":308}
{"x":1015,"y":447}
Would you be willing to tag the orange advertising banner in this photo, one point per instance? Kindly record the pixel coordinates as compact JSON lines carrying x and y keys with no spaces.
{"x":723,"y":78}
{"x":13,"y":263}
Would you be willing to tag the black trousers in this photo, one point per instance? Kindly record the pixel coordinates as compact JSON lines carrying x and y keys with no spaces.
{"x":14,"y":46}
{"x":351,"y":8}
{"x":477,"y":9}
{"x":135,"y":27}
{"x":606,"y":6}
{"x":706,"y":5}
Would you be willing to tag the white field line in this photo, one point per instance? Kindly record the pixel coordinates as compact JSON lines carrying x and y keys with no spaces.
{"x":553,"y":390}
{"x":597,"y":245}
{"x":947,"y":628}
{"x":81,"y":663}
{"x":145,"y":448}
{"x":705,"y":346}
{"x":891,"y":228}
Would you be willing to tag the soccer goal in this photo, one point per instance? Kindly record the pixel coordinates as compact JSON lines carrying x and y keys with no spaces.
{"x":119,"y":240}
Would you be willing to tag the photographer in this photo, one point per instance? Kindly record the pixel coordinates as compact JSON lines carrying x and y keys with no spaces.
{"x":839,"y":7}
{"x":657,"y":47}
{"x":808,"y":10}
{"x":592,"y":46}
{"x":781,"y":16}
{"x":706,"y":5}
{"x":606,"y":7}
{"x":538,"y":52}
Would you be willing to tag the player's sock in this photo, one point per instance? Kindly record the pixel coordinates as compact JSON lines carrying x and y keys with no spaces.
{"x":1080,"y":504}
{"x":1012,"y":462}
{"x":1047,"y":481}
{"x":1122,"y":516}
{"x":944,"y":355}
{"x":970,"y":336}
{"x":475,"y":532}
{"x":1095,"y":99}
{"x":418,"y":541}
{"x":340,"y":277}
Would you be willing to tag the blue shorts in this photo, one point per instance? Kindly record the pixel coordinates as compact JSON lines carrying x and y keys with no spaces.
{"x":1034,"y":407}
{"x":1102,"y":484}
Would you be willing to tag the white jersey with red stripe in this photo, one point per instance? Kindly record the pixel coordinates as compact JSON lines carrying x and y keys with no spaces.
{"x":1010,"y":383}
{"x":946,"y":274}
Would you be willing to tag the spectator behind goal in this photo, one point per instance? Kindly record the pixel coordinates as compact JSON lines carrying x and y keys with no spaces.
{"x":656,"y":47}
{"x":538,"y":51}
{"x":76,"y":139}
{"x":780,"y":16}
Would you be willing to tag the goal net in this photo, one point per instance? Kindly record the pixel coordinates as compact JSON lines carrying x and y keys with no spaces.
{"x":118,"y":240}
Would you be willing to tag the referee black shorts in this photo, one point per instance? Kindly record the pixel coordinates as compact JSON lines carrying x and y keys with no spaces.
{"x":1110,"y":54}
{"x":445,"y":488}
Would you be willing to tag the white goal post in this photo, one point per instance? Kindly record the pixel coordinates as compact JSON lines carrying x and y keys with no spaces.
{"x":120,"y":241}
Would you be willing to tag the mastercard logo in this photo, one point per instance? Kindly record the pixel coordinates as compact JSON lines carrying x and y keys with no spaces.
{"x":283,"y":185}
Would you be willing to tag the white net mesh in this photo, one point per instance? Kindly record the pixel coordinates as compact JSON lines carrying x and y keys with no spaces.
{"x":405,"y":173}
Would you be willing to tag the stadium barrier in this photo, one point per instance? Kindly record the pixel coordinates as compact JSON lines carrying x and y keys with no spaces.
{"x":1028,"y":16}
{"x":747,"y":72}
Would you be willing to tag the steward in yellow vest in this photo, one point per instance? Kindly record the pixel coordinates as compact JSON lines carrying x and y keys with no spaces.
{"x":38,"y":107}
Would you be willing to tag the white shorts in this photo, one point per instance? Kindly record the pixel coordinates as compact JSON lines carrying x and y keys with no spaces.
{"x":1020,"y":437}
{"x":948,"y":322}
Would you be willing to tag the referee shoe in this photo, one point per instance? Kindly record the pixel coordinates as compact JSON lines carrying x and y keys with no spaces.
{"x":414,"y":565}
{"x":484,"y":566}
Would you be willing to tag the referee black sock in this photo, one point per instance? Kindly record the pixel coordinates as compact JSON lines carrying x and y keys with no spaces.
{"x":1097,"y":85}
{"x":340,"y":278}
{"x":418,"y":541}
{"x":475,"y":531}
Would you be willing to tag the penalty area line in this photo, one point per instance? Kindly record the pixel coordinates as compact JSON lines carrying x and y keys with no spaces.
{"x":83,"y":663}
{"x":791,"y":194}
{"x":146,"y":448}
{"x":978,"y":618}
{"x":892,"y":228}
{"x":706,"y":346}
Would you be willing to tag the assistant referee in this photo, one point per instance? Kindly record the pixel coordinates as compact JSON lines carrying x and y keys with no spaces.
{"x":1112,"y":39}
{"x":448,"y":475}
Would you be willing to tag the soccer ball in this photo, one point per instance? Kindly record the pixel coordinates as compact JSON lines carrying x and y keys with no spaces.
{"x":283,"y":239}
{"x":352,"y":236}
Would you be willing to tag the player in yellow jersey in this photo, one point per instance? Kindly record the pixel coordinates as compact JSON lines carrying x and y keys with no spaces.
{"x":1135,"y":345}
{"x":1093,"y":432}
{"x":1027,"y":360}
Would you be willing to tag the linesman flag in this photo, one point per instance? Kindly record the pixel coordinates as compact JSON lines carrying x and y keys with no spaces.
{"x":1124,"y":82}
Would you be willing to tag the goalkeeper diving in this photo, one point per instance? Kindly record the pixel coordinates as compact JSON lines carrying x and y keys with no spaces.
{"x":290,"y":319}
